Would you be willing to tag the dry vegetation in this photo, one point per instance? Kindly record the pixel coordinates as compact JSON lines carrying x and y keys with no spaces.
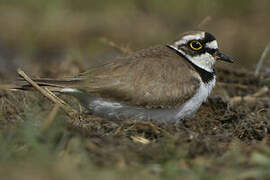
{"x":229,"y":138}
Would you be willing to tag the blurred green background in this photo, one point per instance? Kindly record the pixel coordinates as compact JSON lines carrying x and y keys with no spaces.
{"x":39,"y":35}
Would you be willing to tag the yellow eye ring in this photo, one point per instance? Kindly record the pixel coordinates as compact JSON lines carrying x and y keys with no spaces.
{"x":195,"y":45}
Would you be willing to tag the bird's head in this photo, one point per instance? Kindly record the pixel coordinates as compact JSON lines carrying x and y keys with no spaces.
{"x":201,"y":48}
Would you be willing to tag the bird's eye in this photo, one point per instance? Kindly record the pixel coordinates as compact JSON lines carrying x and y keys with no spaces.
{"x":195,"y":45}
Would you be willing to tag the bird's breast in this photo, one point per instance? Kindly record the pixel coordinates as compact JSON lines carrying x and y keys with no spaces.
{"x":189,"y":108}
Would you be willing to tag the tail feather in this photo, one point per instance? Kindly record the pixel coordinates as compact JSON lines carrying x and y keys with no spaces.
{"x":67,"y":81}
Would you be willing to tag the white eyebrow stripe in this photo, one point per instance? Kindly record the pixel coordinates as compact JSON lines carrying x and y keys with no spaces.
{"x":187,"y":38}
{"x":212,"y":45}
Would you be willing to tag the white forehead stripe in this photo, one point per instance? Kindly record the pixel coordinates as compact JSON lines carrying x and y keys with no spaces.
{"x":212,"y":45}
{"x":187,"y":38}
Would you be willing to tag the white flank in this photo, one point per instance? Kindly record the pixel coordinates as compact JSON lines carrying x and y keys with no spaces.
{"x":106,"y":104}
{"x":70,"y":90}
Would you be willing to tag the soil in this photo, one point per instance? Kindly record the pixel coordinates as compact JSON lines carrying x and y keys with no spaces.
{"x":236,"y":115}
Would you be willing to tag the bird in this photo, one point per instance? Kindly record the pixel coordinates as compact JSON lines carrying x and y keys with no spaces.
{"x":162,"y":83}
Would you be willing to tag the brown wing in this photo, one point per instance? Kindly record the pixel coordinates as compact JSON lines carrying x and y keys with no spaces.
{"x":155,"y":77}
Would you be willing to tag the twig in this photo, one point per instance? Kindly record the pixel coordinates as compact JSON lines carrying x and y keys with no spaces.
{"x":240,"y":86}
{"x":150,"y":125}
{"x":122,"y":49}
{"x":260,"y":63}
{"x":205,"y":21}
{"x":261,"y":92}
{"x":48,"y":94}
{"x":119,"y":129}
{"x":250,"y":97}
{"x":47,"y":122}
{"x":54,"y":96}
{"x":235,"y":71}
{"x":93,"y":147}
{"x":140,"y":139}
{"x":7,"y":86}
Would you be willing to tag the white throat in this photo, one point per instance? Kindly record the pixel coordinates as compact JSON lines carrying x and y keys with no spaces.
{"x":205,"y":61}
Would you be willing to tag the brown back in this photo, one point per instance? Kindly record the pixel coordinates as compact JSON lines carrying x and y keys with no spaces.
{"x":155,"y":77}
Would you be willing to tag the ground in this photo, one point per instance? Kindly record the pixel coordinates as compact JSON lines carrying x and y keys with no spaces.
{"x":228,"y":137}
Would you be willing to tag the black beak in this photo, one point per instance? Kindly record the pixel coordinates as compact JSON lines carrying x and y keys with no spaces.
{"x":219,"y":56}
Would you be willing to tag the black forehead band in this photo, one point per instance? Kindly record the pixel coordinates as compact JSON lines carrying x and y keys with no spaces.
{"x":208,"y":38}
